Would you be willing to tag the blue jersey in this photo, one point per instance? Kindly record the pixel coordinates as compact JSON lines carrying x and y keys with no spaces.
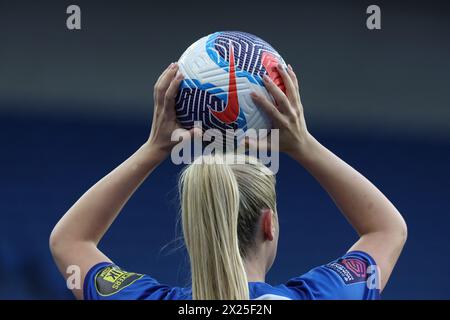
{"x":352,"y":276}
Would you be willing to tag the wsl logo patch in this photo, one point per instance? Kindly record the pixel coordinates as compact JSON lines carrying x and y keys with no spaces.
{"x":112,"y":279}
{"x":351,"y":270}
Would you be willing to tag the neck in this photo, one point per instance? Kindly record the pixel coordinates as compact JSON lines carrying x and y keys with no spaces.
{"x":255,"y":269}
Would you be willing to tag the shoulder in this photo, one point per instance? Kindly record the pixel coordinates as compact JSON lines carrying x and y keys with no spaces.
{"x":106,"y":281}
{"x":352,"y":276}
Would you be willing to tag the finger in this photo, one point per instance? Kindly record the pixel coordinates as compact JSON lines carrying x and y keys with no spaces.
{"x":291,"y":91}
{"x":251,"y":144}
{"x":269,"y":108}
{"x":162,"y":74}
{"x":294,"y":80}
{"x":163,"y":83}
{"x":293,"y":76}
{"x":258,"y":144}
{"x":171,"y":67}
{"x":194,"y":133}
{"x":280,"y":98}
{"x":172,"y":90}
{"x":156,"y":85}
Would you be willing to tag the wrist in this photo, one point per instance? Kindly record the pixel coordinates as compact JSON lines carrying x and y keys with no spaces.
{"x":153,"y":152}
{"x":303,"y":147}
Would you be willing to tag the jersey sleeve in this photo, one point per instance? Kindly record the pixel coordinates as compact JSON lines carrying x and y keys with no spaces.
{"x":106,"y":281}
{"x":353,"y":276}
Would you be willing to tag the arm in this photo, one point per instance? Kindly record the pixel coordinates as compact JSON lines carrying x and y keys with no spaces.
{"x":380,"y":226}
{"x":74,"y":239}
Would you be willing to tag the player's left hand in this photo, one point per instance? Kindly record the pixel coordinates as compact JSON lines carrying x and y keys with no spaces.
{"x":286,"y":112}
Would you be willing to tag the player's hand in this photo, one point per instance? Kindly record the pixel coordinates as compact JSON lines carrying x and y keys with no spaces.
{"x":287,"y":111}
{"x":164,"y":116}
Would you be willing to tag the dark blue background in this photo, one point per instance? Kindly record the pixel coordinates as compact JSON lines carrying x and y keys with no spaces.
{"x":49,"y":162}
{"x":75,"y":104}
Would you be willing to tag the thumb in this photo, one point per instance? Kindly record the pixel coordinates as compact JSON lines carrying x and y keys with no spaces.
{"x":194,"y":133}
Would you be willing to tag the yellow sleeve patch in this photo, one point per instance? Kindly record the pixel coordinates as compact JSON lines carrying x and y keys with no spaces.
{"x":112,"y":279}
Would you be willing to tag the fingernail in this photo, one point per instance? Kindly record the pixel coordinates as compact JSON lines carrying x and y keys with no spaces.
{"x":180,"y":76}
{"x":253,"y":94}
{"x":174,"y":65}
{"x":170,"y":65}
{"x":266,"y":77}
{"x":290,"y":67}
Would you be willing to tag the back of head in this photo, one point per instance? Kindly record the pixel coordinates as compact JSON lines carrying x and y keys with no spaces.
{"x":221,"y":203}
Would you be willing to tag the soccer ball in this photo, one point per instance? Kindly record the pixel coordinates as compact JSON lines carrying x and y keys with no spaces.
{"x":220,"y":71}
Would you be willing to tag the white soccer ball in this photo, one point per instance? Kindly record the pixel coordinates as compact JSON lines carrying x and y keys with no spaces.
{"x":220,"y":70}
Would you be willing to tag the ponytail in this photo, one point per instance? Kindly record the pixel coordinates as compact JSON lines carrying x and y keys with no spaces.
{"x":210,"y":211}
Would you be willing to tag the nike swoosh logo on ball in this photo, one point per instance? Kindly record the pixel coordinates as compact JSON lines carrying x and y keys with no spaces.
{"x":231,"y":111}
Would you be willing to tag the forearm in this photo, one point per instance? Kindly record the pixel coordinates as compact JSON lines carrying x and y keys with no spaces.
{"x":73,"y":241}
{"x":364,"y":206}
{"x":91,"y":216}
{"x":381,"y":228}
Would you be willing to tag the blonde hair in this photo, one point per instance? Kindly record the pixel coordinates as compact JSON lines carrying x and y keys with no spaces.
{"x":221,"y":203}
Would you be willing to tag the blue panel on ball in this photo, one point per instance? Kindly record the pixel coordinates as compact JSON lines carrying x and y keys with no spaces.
{"x":194,"y":101}
{"x":248,"y":52}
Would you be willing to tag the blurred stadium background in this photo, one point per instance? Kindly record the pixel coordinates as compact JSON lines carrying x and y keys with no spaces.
{"x":74,"y":104}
